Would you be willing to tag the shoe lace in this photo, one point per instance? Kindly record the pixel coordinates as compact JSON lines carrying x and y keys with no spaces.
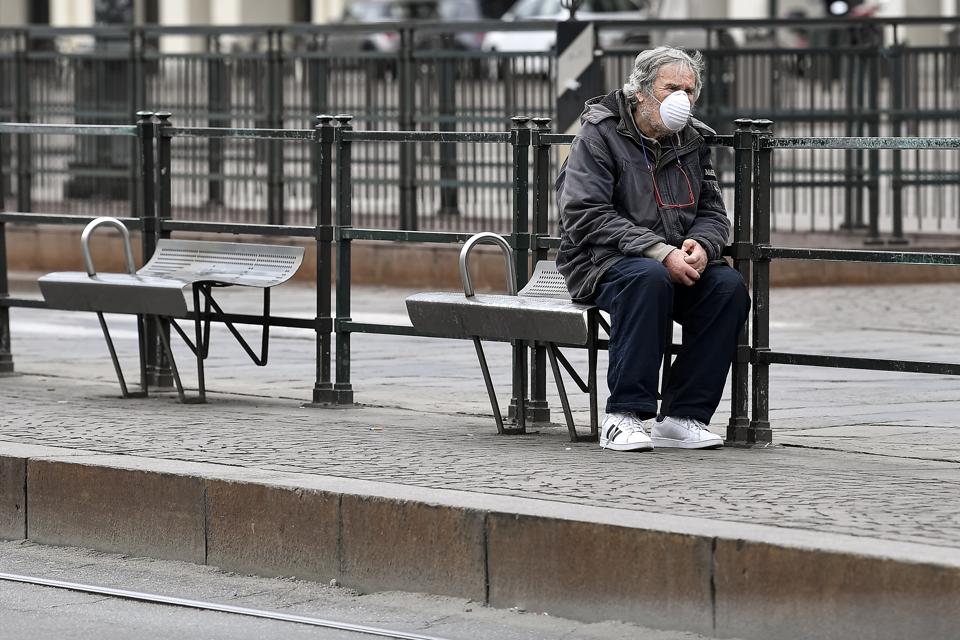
{"x":692,"y":424}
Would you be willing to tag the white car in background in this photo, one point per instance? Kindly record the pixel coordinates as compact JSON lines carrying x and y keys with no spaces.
{"x":542,"y":40}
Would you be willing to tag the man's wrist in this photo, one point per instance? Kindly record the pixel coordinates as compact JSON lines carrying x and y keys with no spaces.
{"x":659,"y":251}
{"x":712,"y":251}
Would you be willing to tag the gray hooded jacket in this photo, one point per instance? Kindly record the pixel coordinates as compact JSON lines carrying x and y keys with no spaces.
{"x":605,"y":193}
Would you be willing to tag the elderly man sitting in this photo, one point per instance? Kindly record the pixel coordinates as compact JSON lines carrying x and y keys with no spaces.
{"x":642,"y":226}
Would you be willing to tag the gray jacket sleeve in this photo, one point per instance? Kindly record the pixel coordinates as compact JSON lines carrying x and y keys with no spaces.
{"x":586,"y":204}
{"x":712,"y":226}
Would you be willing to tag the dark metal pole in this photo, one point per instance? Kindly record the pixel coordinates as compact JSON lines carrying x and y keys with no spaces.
{"x":323,"y":205}
{"x":743,"y":144}
{"x":22,"y":110}
{"x":539,"y":408}
{"x":217,"y":106}
{"x":759,"y":431}
{"x":449,"y":194}
{"x":408,"y":151}
{"x":520,"y":141}
{"x":896,"y":121}
{"x":343,"y":391}
{"x":133,"y":104}
{"x":6,"y":356}
{"x":873,"y":155}
{"x":275,"y":212}
{"x":159,"y":370}
{"x":146,"y":328}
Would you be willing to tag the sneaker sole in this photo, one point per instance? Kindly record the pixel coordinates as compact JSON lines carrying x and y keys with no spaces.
{"x":635,"y":446}
{"x":670,"y":443}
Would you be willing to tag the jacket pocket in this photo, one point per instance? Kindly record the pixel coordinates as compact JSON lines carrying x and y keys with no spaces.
{"x":600,"y":254}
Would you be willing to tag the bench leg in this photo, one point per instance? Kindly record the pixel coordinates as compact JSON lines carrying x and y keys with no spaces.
{"x":592,"y":383}
{"x":564,"y":402}
{"x":492,"y":392}
{"x":176,"y":374}
{"x":116,"y":361}
{"x":202,"y":345}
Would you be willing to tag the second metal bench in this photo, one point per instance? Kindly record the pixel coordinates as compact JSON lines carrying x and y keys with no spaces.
{"x":540,"y":312}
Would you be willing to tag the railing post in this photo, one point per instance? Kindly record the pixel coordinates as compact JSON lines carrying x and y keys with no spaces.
{"x":133,"y":103}
{"x":275,"y":212}
{"x":146,"y":128}
{"x":759,"y":431}
{"x":873,"y":155}
{"x":322,"y":164}
{"x":896,"y":119}
{"x":218,"y":102}
{"x":408,"y":151}
{"x":539,"y":410}
{"x":6,"y":355}
{"x":342,"y":389}
{"x":22,"y":110}
{"x":449,"y":192}
{"x":743,"y":145}
{"x":520,"y":141}
{"x":159,"y":371}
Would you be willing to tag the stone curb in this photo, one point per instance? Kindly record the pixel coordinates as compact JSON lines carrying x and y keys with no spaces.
{"x":589,"y":563}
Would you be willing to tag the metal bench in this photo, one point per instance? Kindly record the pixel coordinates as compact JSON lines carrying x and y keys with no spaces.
{"x":157,"y":290}
{"x":540,"y":312}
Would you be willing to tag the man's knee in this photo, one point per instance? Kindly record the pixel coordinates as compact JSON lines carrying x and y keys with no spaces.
{"x":727,"y":282}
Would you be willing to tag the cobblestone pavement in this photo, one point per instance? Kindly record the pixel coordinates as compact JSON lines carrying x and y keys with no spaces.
{"x":867,"y":453}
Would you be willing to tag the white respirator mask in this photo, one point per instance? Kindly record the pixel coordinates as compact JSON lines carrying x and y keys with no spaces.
{"x":675,"y":110}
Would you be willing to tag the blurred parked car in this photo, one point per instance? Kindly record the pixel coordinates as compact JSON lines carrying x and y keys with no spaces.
{"x":373,"y":12}
{"x":543,"y":40}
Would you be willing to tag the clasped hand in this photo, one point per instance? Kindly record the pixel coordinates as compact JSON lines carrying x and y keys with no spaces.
{"x":686,"y":263}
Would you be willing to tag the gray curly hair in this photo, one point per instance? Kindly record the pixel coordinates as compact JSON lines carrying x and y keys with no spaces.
{"x":648,"y":63}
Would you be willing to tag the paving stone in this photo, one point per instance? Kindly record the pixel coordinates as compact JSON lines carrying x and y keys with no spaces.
{"x":767,"y":591}
{"x":13,"y":499}
{"x":409,"y":546}
{"x":596,"y":572}
{"x":272,"y":531}
{"x":151,"y":514}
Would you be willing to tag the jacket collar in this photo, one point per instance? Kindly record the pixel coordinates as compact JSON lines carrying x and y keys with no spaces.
{"x":615,"y":105}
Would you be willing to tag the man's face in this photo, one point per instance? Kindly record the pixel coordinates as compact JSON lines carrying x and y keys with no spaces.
{"x":671,"y":77}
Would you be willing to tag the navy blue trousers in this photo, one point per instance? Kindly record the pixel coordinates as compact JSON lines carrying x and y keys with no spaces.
{"x":642,"y":302}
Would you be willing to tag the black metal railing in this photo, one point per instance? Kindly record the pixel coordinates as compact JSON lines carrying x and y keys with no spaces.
{"x":847,"y":78}
{"x":531,"y":146}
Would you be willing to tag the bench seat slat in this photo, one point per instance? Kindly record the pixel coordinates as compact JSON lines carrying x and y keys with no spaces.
{"x":113,"y":293}
{"x":499,"y":317}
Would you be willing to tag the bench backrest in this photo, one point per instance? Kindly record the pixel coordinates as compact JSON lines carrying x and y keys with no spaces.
{"x":546,"y":282}
{"x":252,"y":265}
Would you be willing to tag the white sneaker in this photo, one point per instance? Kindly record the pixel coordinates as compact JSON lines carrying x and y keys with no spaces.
{"x":683,"y":433}
{"x":624,"y":432}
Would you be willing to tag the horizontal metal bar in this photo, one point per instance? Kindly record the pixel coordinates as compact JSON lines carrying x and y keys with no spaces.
{"x":25,"y":303}
{"x":425,"y":136}
{"x":348,"y":326}
{"x":18,"y":217}
{"x":856,"y":255}
{"x":292,"y":231}
{"x":240,"y":318}
{"x":556,"y":138}
{"x":404,"y":236}
{"x":223,"y":132}
{"x":860,"y":143}
{"x":69,"y":129}
{"x":870,"y":364}
{"x":547,"y":243}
